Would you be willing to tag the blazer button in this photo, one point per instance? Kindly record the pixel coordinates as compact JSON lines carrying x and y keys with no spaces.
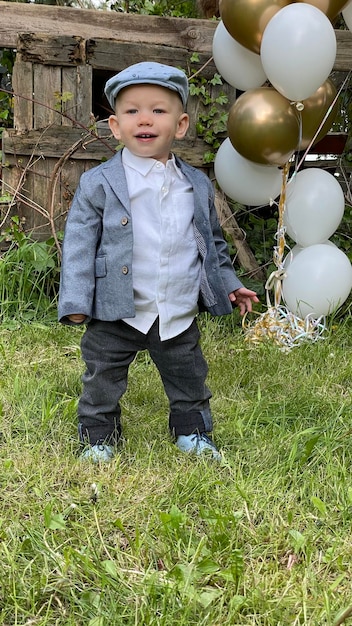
{"x":124,"y":221}
{"x":125,"y":269}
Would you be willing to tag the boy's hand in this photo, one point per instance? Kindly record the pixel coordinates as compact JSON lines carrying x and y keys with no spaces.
{"x":77,"y":318}
{"x":243,"y":298}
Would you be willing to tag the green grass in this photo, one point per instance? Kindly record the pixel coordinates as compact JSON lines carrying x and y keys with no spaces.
{"x":158,"y":538}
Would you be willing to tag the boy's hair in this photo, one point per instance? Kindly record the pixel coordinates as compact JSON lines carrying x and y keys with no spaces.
{"x":148,"y":73}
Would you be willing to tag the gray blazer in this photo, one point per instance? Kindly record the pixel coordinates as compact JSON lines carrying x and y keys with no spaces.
{"x":96,"y":272}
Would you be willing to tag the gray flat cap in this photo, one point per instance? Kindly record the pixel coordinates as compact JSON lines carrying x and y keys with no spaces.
{"x":148,"y":73}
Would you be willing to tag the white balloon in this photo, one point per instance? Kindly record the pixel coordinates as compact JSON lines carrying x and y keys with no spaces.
{"x":318,"y":281}
{"x":347,"y":15}
{"x":243,"y":180}
{"x":296,"y":250}
{"x":314,"y":206}
{"x":239,"y":66}
{"x":298,"y":50}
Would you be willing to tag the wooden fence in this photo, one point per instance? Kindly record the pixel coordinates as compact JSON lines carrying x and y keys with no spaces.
{"x":54,"y":141}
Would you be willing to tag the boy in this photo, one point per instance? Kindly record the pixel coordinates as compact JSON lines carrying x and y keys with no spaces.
{"x":142,"y":251}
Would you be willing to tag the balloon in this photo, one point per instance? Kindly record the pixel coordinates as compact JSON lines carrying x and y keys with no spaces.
{"x":347,"y":15}
{"x":263,"y":126}
{"x":246,"y":19}
{"x":296,"y":250}
{"x":244,"y":181}
{"x":318,"y":281}
{"x":298,"y":50}
{"x":331,"y":8}
{"x":240,"y":67}
{"x":315,"y":109}
{"x":314,"y":206}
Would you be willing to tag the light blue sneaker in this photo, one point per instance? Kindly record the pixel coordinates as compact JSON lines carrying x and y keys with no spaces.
{"x":99,"y":453}
{"x":198,"y":443}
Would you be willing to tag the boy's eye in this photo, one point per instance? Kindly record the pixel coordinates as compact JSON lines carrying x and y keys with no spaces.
{"x":131,"y":111}
{"x":158,"y":110}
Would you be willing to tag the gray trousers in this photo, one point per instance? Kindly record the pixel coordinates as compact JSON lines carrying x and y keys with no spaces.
{"x":108,"y":349}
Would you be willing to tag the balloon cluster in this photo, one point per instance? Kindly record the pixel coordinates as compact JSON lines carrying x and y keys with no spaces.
{"x":280,"y":54}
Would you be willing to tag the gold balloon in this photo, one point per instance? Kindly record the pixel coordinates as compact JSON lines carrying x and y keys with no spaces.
{"x":264,"y":127}
{"x":331,"y":8}
{"x":246,"y":20}
{"x":315,"y":109}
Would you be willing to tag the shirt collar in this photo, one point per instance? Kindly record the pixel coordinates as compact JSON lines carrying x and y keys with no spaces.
{"x":144,"y":165}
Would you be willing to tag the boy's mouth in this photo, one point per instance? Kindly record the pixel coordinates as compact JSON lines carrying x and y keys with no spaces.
{"x":145,"y":136}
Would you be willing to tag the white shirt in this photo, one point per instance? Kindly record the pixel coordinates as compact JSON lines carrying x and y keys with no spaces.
{"x":166,"y":265}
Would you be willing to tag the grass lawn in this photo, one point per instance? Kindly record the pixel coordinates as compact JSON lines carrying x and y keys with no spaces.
{"x":158,"y":538}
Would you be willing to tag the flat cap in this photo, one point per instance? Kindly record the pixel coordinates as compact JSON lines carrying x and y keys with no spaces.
{"x":148,"y":73}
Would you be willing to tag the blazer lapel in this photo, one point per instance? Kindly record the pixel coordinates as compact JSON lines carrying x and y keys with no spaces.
{"x":115,"y":175}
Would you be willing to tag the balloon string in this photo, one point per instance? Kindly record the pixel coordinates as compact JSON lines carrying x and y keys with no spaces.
{"x":275,"y":280}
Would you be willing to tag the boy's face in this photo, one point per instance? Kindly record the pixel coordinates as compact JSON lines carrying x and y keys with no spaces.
{"x":147,"y":120}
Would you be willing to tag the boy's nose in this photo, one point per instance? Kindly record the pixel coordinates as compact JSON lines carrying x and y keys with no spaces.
{"x":145,"y":119}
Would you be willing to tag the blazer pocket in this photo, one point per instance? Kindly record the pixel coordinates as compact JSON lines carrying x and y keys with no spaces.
{"x":100,"y":267}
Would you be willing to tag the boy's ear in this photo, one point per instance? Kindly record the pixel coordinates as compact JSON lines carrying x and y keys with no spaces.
{"x":182,"y":126}
{"x":114,"y":126}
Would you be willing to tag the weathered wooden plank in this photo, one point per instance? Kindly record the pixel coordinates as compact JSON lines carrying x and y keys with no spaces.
{"x":54,"y":142}
{"x":70,"y":175}
{"x":10,"y":176}
{"x":22,"y":83}
{"x":109,"y":54}
{"x":78,"y":82}
{"x":51,"y":49}
{"x":36,"y":187}
{"x":46,"y":83}
{"x":343,"y":61}
{"x":189,"y":34}
{"x":17,"y":18}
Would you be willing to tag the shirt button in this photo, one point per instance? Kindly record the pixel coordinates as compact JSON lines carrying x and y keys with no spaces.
{"x":125,"y":269}
{"x":124,"y":221}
